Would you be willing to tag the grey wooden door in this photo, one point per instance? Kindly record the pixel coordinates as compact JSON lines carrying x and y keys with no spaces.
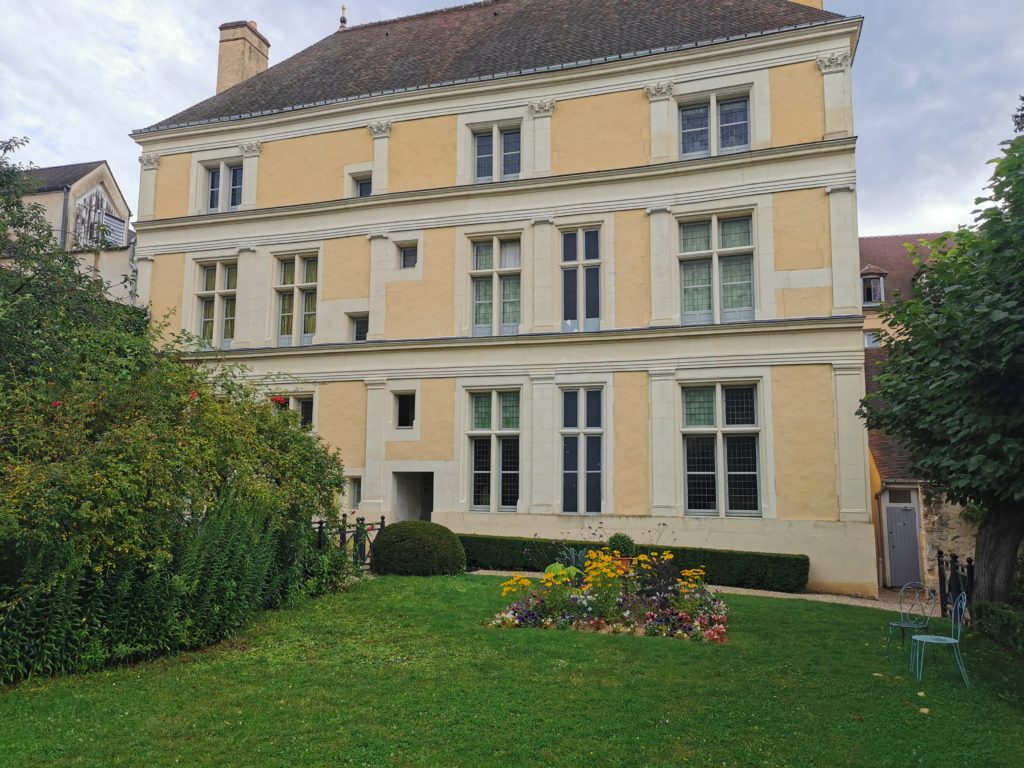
{"x":904,"y":563}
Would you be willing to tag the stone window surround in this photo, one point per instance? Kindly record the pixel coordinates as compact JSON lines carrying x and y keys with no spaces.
{"x":245,"y":155}
{"x":534,"y":123}
{"x":298,"y":252}
{"x":465,"y":237}
{"x":606,"y":384}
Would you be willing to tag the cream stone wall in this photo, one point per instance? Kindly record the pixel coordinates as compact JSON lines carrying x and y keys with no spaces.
{"x":802,"y":228}
{"x":632,"y":269}
{"x":421,"y":154}
{"x":798,"y":103}
{"x":803,"y":413}
{"x":341,"y":419}
{"x":310,"y":169}
{"x":165,"y":296}
{"x":803,"y":302}
{"x":171,"y":194}
{"x":601,"y":132}
{"x":424,"y":308}
{"x":435,"y":414}
{"x":632,"y":444}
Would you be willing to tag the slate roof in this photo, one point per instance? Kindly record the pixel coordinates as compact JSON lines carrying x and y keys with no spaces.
{"x":491,"y":39}
{"x":887,"y":256}
{"x":59,"y":176}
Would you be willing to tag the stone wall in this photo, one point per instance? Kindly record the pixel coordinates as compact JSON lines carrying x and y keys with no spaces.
{"x":944,"y":528}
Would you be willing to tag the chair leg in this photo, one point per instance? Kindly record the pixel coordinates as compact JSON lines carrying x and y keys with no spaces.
{"x":921,"y":649}
{"x":960,"y":664}
{"x":888,"y":640}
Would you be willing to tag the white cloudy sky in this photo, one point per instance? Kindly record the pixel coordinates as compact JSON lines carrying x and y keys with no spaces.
{"x":935,"y":83}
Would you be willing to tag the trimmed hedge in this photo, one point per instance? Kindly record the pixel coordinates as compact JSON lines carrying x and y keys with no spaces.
{"x":727,"y":568}
{"x":417,"y":548}
{"x":1003,"y":623}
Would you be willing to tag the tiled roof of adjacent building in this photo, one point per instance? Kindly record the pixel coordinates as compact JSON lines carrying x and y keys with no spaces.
{"x":59,"y":176}
{"x":492,"y":39}
{"x":887,"y":256}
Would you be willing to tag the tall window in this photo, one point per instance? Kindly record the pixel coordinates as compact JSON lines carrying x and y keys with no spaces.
{"x":582,"y":449}
{"x":218,"y":285}
{"x":355,"y":495}
{"x":581,"y":279}
{"x":717,"y":126}
{"x":296,"y":300}
{"x":505,"y":163}
{"x":716,"y":270}
{"x":721,"y":460}
{"x":496,"y":280}
{"x":494,"y":449}
{"x":223,"y":187}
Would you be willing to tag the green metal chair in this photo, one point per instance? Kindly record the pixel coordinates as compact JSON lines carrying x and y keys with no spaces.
{"x":920,"y":642}
{"x":917,"y":604}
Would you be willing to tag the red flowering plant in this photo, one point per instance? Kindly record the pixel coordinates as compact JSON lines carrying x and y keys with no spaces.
{"x":280,"y":401}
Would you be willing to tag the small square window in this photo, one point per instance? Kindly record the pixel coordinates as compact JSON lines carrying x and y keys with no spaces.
{"x":405,"y":405}
{"x":364,"y":187}
{"x":408,"y":256}
{"x":360,"y":327}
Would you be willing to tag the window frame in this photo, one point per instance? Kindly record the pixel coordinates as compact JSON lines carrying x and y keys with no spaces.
{"x":713,"y":101}
{"x":404,"y":251}
{"x":497,"y":132}
{"x":298,"y":290}
{"x":498,"y":276}
{"x":226,"y":188}
{"x":219,"y":296}
{"x":356,"y":318}
{"x":398,"y":410}
{"x":582,"y":432}
{"x":864,"y":282}
{"x":720,"y":431}
{"x":497,"y":434}
{"x":581,"y":266}
{"x":715,"y":255}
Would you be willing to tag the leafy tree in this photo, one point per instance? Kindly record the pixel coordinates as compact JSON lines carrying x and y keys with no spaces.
{"x":952,"y":386}
{"x":1018,"y":117}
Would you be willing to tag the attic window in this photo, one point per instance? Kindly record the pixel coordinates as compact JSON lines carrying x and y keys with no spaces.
{"x":873,"y":290}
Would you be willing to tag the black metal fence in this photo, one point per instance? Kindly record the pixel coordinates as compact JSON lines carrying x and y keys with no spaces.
{"x":358,"y":535}
{"x":954,"y":577}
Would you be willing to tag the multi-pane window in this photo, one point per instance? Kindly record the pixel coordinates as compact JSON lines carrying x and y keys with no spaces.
{"x":296,"y":299}
{"x":582,"y":435}
{"x":497,"y":286}
{"x":717,"y":126}
{"x":223,"y":187}
{"x":304,"y":405}
{"x":581,"y":279}
{"x":218,"y":285}
{"x":408,"y":256}
{"x":505,"y":163}
{"x":494,"y":428}
{"x":721,"y":459}
{"x":716,"y":270}
{"x":874,"y":291}
{"x":360,"y":327}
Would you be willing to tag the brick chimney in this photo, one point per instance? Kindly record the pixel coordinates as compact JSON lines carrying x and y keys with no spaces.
{"x":819,"y":4}
{"x":243,"y":53}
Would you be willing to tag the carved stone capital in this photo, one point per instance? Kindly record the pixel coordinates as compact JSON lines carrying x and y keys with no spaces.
{"x":541,"y":107}
{"x":834,"y":63}
{"x":250,"y":148}
{"x":380,"y":129}
{"x":658,"y":91}
{"x":149,"y":161}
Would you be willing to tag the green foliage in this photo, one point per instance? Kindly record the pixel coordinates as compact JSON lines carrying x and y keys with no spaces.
{"x":1003,"y":623}
{"x":623,"y":544}
{"x":951,"y":386}
{"x":417,"y":548}
{"x":755,"y":570}
{"x":149,"y":503}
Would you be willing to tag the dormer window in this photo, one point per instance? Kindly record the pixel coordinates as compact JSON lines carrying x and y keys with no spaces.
{"x":873,"y":290}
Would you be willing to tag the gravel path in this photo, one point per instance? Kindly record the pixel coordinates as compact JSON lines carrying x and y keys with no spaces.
{"x":888,"y":599}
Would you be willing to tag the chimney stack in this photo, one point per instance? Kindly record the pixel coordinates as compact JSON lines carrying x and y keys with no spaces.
{"x":244,"y":52}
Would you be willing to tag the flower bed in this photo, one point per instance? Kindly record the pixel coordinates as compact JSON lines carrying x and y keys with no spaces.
{"x":645,"y":595}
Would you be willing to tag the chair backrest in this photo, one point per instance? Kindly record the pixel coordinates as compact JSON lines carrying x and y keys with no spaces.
{"x":956,"y":617}
{"x":917,"y":603}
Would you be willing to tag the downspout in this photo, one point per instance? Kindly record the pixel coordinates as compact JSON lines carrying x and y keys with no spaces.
{"x":64,"y":219}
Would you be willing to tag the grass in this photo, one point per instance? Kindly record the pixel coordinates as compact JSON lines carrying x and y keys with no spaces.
{"x":401,"y":672}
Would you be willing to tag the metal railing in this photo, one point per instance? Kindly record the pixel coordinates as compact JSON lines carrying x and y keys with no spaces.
{"x":954,"y":578}
{"x":359,"y":535}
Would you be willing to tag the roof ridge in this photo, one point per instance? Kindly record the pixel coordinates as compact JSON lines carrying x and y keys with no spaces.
{"x":902,"y":234}
{"x":421,"y":14}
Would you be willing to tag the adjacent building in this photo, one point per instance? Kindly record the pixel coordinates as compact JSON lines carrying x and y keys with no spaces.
{"x":912,"y":521}
{"x":90,"y":218}
{"x":536,"y":268}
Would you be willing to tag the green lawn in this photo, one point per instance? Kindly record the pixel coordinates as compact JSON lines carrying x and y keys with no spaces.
{"x":400,"y":672}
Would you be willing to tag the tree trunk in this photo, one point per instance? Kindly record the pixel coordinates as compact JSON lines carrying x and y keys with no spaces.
{"x":999,"y":538}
